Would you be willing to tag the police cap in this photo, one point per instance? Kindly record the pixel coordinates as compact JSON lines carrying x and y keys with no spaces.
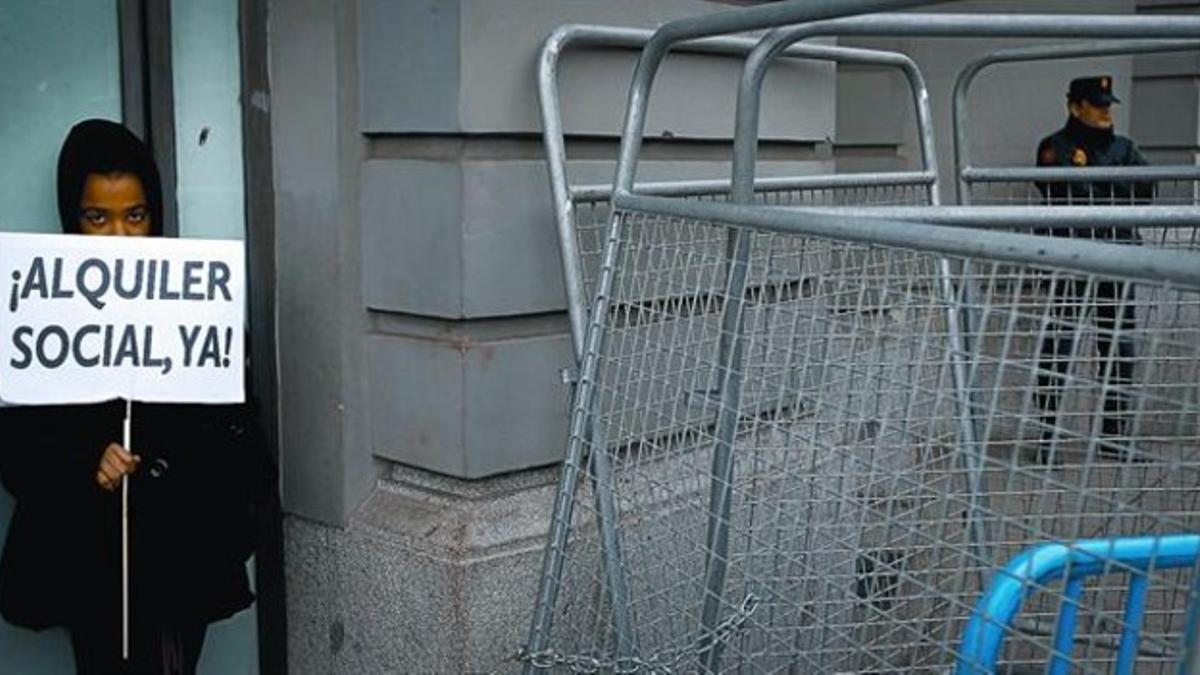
{"x":1095,"y":90}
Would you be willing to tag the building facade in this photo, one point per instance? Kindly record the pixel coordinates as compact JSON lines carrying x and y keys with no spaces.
{"x":408,"y":313}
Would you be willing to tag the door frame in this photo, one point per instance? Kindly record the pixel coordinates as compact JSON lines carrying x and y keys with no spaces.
{"x":148,"y":108}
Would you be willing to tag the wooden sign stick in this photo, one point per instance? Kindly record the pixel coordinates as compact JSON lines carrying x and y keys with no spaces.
{"x":125,"y":541}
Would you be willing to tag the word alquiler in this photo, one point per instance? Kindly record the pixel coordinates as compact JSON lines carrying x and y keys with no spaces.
{"x":98,"y":281}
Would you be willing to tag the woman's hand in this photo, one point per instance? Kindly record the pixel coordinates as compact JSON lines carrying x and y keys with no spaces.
{"x":114,"y":465}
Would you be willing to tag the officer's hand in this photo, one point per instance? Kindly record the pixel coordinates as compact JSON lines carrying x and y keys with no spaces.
{"x":114,"y":464}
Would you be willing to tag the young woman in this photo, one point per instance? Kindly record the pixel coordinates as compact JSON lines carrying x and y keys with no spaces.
{"x":197,"y":475}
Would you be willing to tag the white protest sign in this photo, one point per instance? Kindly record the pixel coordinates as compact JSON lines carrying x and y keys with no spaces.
{"x":89,"y":318}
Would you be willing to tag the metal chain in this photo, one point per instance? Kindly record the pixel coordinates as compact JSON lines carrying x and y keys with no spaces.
{"x":657,"y":663}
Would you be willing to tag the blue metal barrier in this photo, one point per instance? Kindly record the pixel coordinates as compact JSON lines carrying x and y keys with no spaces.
{"x":993,"y":616}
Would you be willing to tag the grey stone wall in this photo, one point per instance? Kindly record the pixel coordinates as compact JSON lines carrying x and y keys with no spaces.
{"x":1166,"y":120}
{"x":325,"y":462}
{"x":420,"y":301}
{"x":430,"y":574}
{"x":422,"y":321}
{"x":460,"y":266}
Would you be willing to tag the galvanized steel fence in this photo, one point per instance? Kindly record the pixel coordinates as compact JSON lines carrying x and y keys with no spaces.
{"x":583,"y":211}
{"x":809,"y":440}
{"x":850,"y":494}
{"x":1174,"y":185}
{"x":1076,"y":186}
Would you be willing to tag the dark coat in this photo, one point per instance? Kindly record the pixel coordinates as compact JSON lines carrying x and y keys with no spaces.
{"x":192,"y":512}
{"x":1078,"y":145}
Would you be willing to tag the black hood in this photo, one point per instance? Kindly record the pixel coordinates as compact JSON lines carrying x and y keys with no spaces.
{"x":104,"y":147}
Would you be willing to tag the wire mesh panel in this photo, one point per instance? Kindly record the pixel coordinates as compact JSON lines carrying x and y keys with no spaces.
{"x":861,"y":528}
{"x":1169,"y":192}
{"x":1175,"y":191}
{"x":1086,"y":389}
{"x":592,"y":213}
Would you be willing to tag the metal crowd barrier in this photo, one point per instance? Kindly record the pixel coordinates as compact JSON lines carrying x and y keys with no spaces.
{"x":1173,"y":185}
{"x":808,"y":441}
{"x":582,"y":210}
{"x":1074,"y":563}
{"x":1017,"y":186}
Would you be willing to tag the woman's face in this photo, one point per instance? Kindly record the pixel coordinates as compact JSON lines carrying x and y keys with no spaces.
{"x":114,"y":204}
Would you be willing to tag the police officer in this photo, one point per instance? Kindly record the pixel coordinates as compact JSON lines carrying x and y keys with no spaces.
{"x":1088,"y":139}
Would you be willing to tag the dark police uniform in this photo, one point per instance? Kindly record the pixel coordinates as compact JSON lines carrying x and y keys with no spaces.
{"x":1111,"y":303}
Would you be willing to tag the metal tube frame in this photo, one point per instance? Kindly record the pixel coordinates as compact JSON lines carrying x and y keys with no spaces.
{"x":1105,"y":259}
{"x":1082,"y":174}
{"x":1091,"y":257}
{"x":564,"y":506}
{"x":733,"y":21}
{"x":1084,"y":256}
{"x":721,"y":186}
{"x":1190,"y":663}
{"x":944,"y":25}
{"x":565,"y":195}
{"x":996,"y":610}
{"x":1097,"y":258}
{"x":730,"y":359}
{"x":731,"y":351}
{"x":564,"y":198}
{"x":940,"y":25}
{"x":965,"y":174}
{"x":745,"y":150}
{"x":1009,"y":218}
